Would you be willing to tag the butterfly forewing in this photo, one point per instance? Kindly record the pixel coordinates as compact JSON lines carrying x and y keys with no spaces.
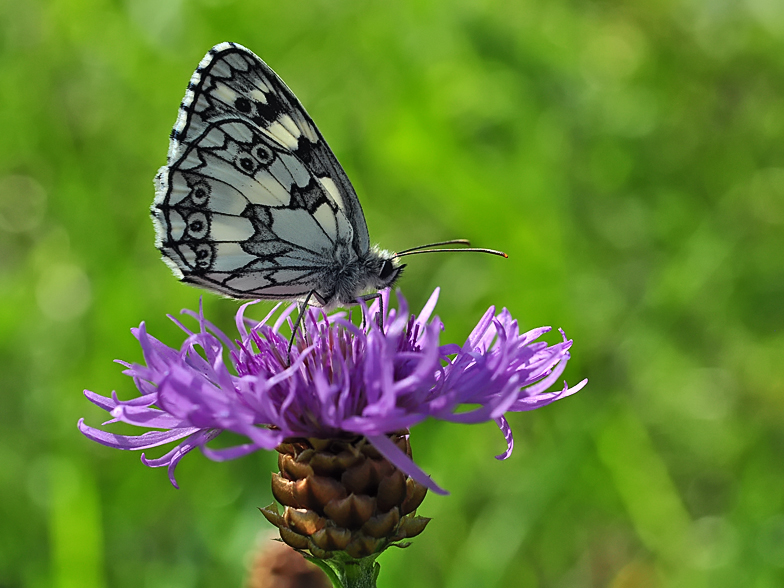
{"x":252,"y":202}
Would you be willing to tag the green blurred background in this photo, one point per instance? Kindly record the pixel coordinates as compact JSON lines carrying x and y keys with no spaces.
{"x":627,"y":155}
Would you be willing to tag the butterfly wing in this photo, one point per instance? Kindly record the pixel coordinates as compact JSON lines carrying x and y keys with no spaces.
{"x":252,"y":202}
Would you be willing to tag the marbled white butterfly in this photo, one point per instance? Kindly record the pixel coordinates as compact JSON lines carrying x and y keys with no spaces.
{"x":253,"y":203}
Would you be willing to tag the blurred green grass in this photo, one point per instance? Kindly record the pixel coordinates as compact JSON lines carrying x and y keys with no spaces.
{"x":627,"y":156}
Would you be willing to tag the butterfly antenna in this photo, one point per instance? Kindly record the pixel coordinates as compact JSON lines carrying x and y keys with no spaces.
{"x":443,"y":250}
{"x":302,"y":307}
{"x":438,"y":244}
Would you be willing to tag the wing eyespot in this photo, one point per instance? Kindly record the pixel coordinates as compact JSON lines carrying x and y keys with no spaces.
{"x":198,"y":225}
{"x":200,"y":193}
{"x":203,"y":254}
{"x":264,"y":154}
{"x":245,"y":163}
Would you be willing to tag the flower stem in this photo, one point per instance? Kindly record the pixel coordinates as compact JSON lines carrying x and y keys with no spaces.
{"x":355,"y":573}
{"x":327,"y":569}
{"x":361,"y":574}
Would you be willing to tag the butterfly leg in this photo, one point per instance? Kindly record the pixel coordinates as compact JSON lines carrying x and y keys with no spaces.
{"x":301,"y":307}
{"x":367,"y":298}
{"x":380,"y":314}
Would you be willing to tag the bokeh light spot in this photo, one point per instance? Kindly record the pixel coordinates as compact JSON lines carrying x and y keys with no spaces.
{"x":22,"y":203}
{"x":63,"y":292}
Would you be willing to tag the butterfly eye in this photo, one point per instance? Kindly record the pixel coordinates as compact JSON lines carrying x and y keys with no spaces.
{"x":200,"y":193}
{"x":264,"y":154}
{"x":245,"y":163}
{"x":386,"y":269}
{"x":198,"y":225}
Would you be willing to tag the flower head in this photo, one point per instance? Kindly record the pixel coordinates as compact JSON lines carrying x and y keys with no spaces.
{"x":339,"y":381}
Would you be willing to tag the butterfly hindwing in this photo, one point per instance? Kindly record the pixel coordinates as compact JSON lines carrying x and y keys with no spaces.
{"x":253,"y":203}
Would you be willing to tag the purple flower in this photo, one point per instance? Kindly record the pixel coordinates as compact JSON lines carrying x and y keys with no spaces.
{"x":342,"y":380}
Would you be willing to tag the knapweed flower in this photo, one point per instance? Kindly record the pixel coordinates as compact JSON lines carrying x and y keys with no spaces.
{"x":337,"y":407}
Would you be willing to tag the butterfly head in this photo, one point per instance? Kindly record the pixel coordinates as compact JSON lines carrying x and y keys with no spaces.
{"x":386,"y":269}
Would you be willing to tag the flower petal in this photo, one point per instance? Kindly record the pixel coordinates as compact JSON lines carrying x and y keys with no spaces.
{"x":404,"y":463}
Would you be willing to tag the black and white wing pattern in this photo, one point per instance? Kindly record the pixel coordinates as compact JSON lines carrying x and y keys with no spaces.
{"x":252,"y":202}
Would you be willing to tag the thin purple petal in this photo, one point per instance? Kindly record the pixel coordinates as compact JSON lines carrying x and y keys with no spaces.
{"x":404,"y":463}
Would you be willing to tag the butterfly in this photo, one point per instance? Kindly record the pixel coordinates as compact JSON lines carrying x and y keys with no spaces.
{"x":252,"y":203}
